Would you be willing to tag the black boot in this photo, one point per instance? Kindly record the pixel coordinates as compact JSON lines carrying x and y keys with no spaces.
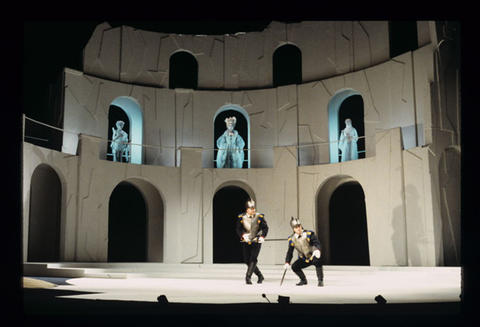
{"x":259,"y":275}
{"x":303,"y":279}
{"x":248,"y":277}
{"x":302,"y":282}
{"x":320,"y":276}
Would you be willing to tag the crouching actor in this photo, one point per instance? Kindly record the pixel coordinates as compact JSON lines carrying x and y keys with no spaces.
{"x":309,"y":252}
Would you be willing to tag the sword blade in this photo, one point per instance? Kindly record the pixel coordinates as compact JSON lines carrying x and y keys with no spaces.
{"x":285,"y":271}
{"x":266,"y":240}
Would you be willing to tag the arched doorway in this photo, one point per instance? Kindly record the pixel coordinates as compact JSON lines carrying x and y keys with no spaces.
{"x":45,"y":215}
{"x":348,"y":226}
{"x":403,"y":36}
{"x":127,"y":225}
{"x":183,"y":71}
{"x":287,"y":65}
{"x":228,"y":203}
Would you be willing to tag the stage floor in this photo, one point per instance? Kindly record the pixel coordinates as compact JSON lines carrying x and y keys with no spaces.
{"x":342,"y":285}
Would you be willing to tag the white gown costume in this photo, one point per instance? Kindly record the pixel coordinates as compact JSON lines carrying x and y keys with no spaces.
{"x":230,"y":145}
{"x":348,"y":142}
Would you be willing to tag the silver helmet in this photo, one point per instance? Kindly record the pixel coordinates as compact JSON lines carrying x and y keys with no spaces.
{"x":295,"y":222}
{"x":250,"y":204}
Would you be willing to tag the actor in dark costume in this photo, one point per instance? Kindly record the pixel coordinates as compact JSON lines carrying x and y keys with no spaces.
{"x":309,"y":251}
{"x":252,"y":229}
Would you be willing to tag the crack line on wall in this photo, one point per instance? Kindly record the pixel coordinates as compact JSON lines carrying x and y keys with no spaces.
{"x":369,"y":43}
{"x":325,"y":87}
{"x":370,"y":94}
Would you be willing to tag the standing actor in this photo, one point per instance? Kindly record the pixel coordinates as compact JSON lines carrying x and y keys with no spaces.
{"x":252,"y":228}
{"x":309,"y":251}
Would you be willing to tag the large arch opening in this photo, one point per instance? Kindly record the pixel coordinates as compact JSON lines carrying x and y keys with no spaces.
{"x":228,"y":203}
{"x":287,"y":65}
{"x":334,"y":207}
{"x":403,"y":36}
{"x":348,"y":226}
{"x":44,"y":216}
{"x":145,"y":213}
{"x":127,"y":225}
{"x":133,"y":111}
{"x":183,"y":71}
{"x":242,"y":127}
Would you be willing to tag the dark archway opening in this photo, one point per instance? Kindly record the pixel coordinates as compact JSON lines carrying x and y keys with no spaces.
{"x":403,"y":37}
{"x":115,"y":114}
{"x":348,"y":226}
{"x":183,"y":72}
{"x":287,"y":65}
{"x":352,"y":107}
{"x":228,"y":203}
{"x":241,"y":127}
{"x":127,"y":225}
{"x":45,"y":215}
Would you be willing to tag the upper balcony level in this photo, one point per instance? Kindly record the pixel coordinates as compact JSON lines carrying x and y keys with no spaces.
{"x":127,"y":152}
{"x":281,"y":54}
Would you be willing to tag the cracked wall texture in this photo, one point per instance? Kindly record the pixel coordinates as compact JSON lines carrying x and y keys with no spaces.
{"x":412,"y":98}
{"x":236,"y":61}
{"x":282,"y":116}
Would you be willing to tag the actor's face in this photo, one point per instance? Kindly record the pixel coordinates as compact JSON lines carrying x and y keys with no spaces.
{"x":251,"y":211}
{"x":298,"y":229}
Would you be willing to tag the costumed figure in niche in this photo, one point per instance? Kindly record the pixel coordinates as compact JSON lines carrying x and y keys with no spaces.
{"x":119,"y":143}
{"x":348,"y":142}
{"x":309,"y":250}
{"x":252,"y":229}
{"x":230,"y":145}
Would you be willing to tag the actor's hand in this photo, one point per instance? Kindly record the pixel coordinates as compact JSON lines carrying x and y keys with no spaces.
{"x":287,"y":266}
{"x":261,"y":239}
{"x":317,"y":254}
{"x":246,"y":237}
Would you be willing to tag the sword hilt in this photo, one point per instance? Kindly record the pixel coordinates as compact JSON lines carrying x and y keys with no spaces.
{"x":255,"y":240}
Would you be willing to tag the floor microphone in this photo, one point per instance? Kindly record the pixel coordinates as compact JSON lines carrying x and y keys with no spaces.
{"x":264,"y":296}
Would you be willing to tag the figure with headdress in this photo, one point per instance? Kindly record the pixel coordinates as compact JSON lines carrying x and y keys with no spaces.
{"x":309,"y":251}
{"x":230,"y":147}
{"x":252,"y":229}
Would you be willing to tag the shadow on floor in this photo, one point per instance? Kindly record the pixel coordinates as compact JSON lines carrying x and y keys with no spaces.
{"x":43,"y":306}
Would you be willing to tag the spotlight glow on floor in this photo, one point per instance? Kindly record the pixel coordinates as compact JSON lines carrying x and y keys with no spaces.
{"x":341,"y":287}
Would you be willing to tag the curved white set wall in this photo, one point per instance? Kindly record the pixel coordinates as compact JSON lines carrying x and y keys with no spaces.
{"x":402,"y":156}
